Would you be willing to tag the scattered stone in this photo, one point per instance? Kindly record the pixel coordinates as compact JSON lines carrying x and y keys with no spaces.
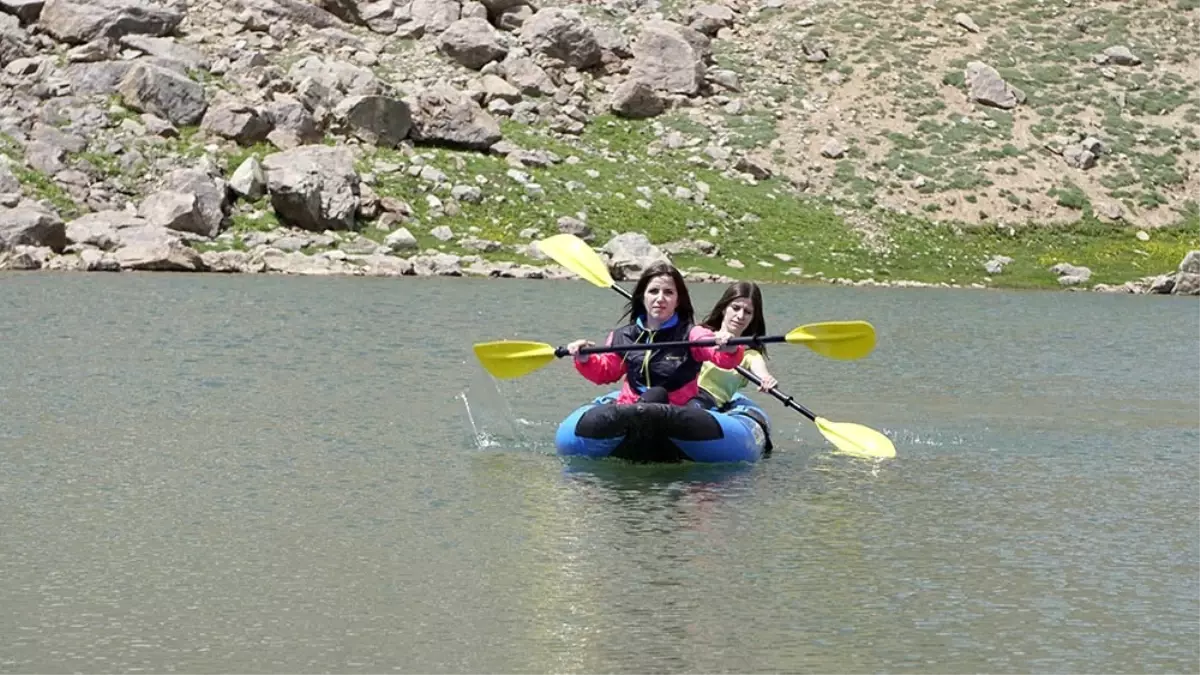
{"x":987,"y":87}
{"x":996,"y":265}
{"x":569,"y":225}
{"x":833,"y":149}
{"x":1119,"y":55}
{"x":635,"y":99}
{"x":1071,"y":275}
{"x":966,"y":22}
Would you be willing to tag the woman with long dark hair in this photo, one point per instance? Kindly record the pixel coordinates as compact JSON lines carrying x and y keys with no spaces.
{"x":739,"y":312}
{"x":659,"y":311}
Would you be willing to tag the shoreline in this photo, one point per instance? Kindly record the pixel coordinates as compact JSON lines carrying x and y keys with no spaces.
{"x":174,"y":256}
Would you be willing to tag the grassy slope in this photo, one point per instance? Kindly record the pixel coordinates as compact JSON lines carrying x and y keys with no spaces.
{"x":753,"y":221}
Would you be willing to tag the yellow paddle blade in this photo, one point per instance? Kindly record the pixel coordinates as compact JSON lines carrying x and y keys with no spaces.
{"x":574,"y":254}
{"x":836,"y":339}
{"x":855,"y":439}
{"x":507,"y":359}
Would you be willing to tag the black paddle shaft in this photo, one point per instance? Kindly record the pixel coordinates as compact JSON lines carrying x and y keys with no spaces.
{"x":785,"y":399}
{"x":648,"y":346}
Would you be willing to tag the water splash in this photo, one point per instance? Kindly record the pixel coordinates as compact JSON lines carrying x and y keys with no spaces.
{"x":493,"y":426}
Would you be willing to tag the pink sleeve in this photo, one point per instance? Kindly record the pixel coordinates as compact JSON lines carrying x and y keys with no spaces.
{"x":602,"y":368}
{"x":726,"y":360}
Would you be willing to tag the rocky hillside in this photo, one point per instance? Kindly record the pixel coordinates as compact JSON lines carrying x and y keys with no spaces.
{"x":387,"y":136}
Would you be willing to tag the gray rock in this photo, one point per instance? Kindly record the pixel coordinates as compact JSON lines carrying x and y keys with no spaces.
{"x":80,"y":21}
{"x":335,"y":79}
{"x":631,"y":253}
{"x":527,"y":76}
{"x":25,"y":258}
{"x":29,"y":226}
{"x":635,"y":99}
{"x":148,"y":88}
{"x":211,"y":193}
{"x":569,"y":225}
{"x":467,"y":193}
{"x":833,"y":149}
{"x":438,"y":264}
{"x":966,"y":22}
{"x":97,"y":78}
{"x":512,"y":18}
{"x":1071,"y":275}
{"x":249,"y":180}
{"x":710,"y":18}
{"x":379,"y":16}
{"x":1186,"y":283}
{"x":237,"y":121}
{"x":1077,"y":157}
{"x":987,"y":87}
{"x":379,"y":120}
{"x":14,"y":46}
{"x":435,"y":16}
{"x":265,"y":13}
{"x":27,"y":11}
{"x":167,"y":49}
{"x":1121,"y":56}
{"x":472,"y":42}
{"x":102,"y":229}
{"x":174,"y":210}
{"x":292,"y":123}
{"x":161,"y":254}
{"x":1190,"y":263}
{"x":443,"y":116}
{"x":562,"y":34}
{"x":93,"y":260}
{"x":401,"y":240}
{"x":314,"y":187}
{"x":229,"y":262}
{"x":8,"y":181}
{"x":670,"y":57}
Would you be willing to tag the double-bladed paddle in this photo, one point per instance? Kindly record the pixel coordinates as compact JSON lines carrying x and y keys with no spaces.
{"x":837,"y":339}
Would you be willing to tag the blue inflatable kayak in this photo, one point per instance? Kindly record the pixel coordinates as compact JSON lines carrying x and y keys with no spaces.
{"x":658,"y":432}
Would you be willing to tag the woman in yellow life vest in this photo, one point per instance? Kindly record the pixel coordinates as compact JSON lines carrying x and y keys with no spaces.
{"x":738,"y":312}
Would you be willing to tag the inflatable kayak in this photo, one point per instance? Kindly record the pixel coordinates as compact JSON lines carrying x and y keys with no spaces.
{"x":658,"y":432}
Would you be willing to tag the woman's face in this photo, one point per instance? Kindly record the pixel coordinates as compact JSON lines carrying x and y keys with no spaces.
{"x":738,"y":315}
{"x":661,"y":298}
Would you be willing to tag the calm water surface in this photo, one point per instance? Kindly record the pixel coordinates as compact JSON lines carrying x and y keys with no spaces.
{"x":266,"y":474}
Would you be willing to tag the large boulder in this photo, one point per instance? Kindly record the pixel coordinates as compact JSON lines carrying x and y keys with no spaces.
{"x":379,"y":120}
{"x":472,"y":42}
{"x":155,"y":248}
{"x":266,"y":12}
{"x":631,"y":253}
{"x":313,"y":187}
{"x":670,"y":57}
{"x":80,"y":21}
{"x":102,"y":229}
{"x":27,"y":225}
{"x":985,"y":86}
{"x":562,"y":34}
{"x":163,"y":92}
{"x":444,"y":116}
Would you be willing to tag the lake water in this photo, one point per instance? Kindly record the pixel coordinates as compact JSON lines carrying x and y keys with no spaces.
{"x":276,"y":474}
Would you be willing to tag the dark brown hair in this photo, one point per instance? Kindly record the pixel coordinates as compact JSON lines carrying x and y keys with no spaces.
{"x":740,"y":290}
